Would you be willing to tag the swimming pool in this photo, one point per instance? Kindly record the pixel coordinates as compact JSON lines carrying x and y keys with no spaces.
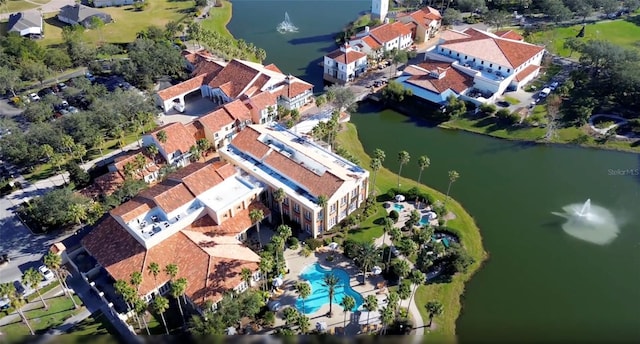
{"x":320,"y":294}
{"x":398,"y":207}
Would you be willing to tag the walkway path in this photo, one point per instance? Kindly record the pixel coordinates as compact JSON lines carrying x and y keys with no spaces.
{"x":50,"y":7}
{"x":618,"y":121}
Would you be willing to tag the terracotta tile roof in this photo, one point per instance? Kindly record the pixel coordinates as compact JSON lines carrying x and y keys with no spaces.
{"x":526,"y":72}
{"x":174,"y":91}
{"x":197,"y":177}
{"x":207,"y":68}
{"x":130,"y":156}
{"x":326,"y":184}
{"x":263,"y":100}
{"x":225,"y":170}
{"x":168,"y":195}
{"x":231,"y":227}
{"x":388,"y":32}
{"x":108,"y":183}
{"x":196,"y":130}
{"x":237,"y":110}
{"x":273,"y":68}
{"x":346,"y":58}
{"x":132,"y":208}
{"x":294,"y":88}
{"x":247,"y":142}
{"x":178,"y":138}
{"x":509,"y":34}
{"x":449,"y":35}
{"x":216,"y":120}
{"x":234,"y":78}
{"x":371,"y":42}
{"x":257,"y":85}
{"x":453,"y":79}
{"x":424,"y":16}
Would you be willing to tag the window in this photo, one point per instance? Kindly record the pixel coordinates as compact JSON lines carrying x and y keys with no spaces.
{"x":474,"y":59}
{"x":466,"y":57}
{"x":499,"y":68}
{"x":344,"y":199}
{"x":508,"y":70}
{"x":307,"y":215}
{"x":296,"y":207}
{"x":333,"y":208}
{"x":354,"y":193}
{"x":216,"y":135}
{"x":490,"y":65}
{"x":307,"y":227}
{"x":482,"y":62}
{"x":457,"y":54}
{"x":286,"y":201}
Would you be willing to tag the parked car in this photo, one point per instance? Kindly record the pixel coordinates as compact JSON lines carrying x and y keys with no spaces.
{"x":20,"y":289}
{"x":46,"y":272}
{"x":394,"y":251}
{"x":545,"y":92}
{"x":554,"y":85}
{"x":72,"y":109}
{"x":503,"y":103}
{"x":5,"y":303}
{"x":62,"y":86}
{"x":45,"y":91}
{"x":90,"y":77}
{"x":34,"y":97}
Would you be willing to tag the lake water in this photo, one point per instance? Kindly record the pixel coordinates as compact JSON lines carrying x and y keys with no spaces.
{"x":540,"y":284}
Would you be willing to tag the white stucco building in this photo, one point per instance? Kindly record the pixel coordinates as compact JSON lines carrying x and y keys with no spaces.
{"x":385,"y":37}
{"x":344,"y":64}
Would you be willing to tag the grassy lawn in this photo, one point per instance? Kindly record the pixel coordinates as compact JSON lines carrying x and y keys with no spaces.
{"x":127,"y":22}
{"x":218,"y":19}
{"x":19,"y":5}
{"x":488,"y":126}
{"x":464,"y":225}
{"x":95,"y":325}
{"x":621,"y":32}
{"x":511,"y":100}
{"x":370,"y":228}
{"x":60,"y":308}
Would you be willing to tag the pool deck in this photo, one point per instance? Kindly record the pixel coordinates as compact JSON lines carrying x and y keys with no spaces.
{"x":298,"y":263}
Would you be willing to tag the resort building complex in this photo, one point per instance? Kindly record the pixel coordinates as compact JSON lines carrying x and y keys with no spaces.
{"x":386,"y":37}
{"x":315,"y":180}
{"x":344,"y":64}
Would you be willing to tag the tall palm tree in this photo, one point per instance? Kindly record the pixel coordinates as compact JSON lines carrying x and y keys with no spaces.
{"x":126,"y":291}
{"x":54,"y":263}
{"x":265,"y":265}
{"x":68,"y":143}
{"x":98,"y":142}
{"x":322,"y":201}
{"x":379,"y":154}
{"x":279,"y":197}
{"x":375,"y":166}
{"x":416,"y":277}
{"x":246,"y":276}
{"x":178,"y":288}
{"x":284,"y":231}
{"x":153,"y":151}
{"x":435,"y":308}
{"x":256,"y":215}
{"x":160,"y":305}
{"x":368,"y":257}
{"x":395,"y":233}
{"x":162,"y":136}
{"x":393,"y":301}
{"x":154,"y":269}
{"x":401,"y":268}
{"x":278,"y":243}
{"x":47,"y":151}
{"x":303,"y":323}
{"x":203,"y":145}
{"x":370,"y":304}
{"x":140,"y":307}
{"x":129,"y":170}
{"x":77,"y":213}
{"x":330,"y":282}
{"x":387,"y":224}
{"x":7,"y":290}
{"x":423,"y":162}
{"x":172,"y":271}
{"x":403,"y":158}
{"x":387,"y":316}
{"x":453,"y":176}
{"x":17,"y":303}
{"x":58,"y":160}
{"x":32,"y":278}
{"x":140,"y":161}
{"x":136,"y":279}
{"x":304,"y":290}
{"x":348,"y":303}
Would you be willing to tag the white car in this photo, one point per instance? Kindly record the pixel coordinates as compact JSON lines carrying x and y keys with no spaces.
{"x":34,"y":97}
{"x":46,"y":272}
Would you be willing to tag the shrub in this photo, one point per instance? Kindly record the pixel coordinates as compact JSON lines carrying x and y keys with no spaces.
{"x":487,"y":109}
{"x":269,"y":318}
{"x":391,"y":193}
{"x":313,"y":243}
{"x":394,"y":215}
{"x":293,"y":243}
{"x":327,"y":241}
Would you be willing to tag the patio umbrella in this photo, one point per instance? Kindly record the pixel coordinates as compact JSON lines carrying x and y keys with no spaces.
{"x":400,"y":198}
{"x":333,"y":245}
{"x":321,"y":326}
{"x":277,"y":282}
{"x":230,"y":331}
{"x":376,"y":270}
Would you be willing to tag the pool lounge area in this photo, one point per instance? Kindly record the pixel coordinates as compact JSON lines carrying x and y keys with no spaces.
{"x":319,"y":297}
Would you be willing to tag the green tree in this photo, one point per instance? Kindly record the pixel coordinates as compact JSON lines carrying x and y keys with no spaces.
{"x":387,"y":317}
{"x":304,"y":291}
{"x":172,"y":271}
{"x":153,"y":151}
{"x":32,"y":278}
{"x":497,"y":18}
{"x":423,"y":162}
{"x":404,"y":290}
{"x":195,"y":152}
{"x":54,"y":263}
{"x":395,"y":92}
{"x":154,"y":270}
{"x":17,"y":303}
{"x":399,"y":58}
{"x":291,"y":316}
{"x":78,"y":213}
{"x":265,"y":265}
{"x":453,"y":176}
{"x":368,"y":256}
{"x":47,"y":151}
{"x":348,"y":303}
{"x":322,"y":202}
{"x":451,"y":16}
{"x":303,"y":323}
{"x":434,"y":308}
{"x":9,"y":79}
{"x":160,"y":305}
{"x":178,"y":289}
{"x":379,"y":154}
{"x":403,"y":159}
{"x":162,"y":136}
{"x":417,"y":278}
{"x":256,"y":215}
{"x":375,"y":166}
{"x":330,"y":282}
{"x":279,"y":197}
{"x":401,"y":268}
{"x":371,"y":305}
{"x":58,"y":160}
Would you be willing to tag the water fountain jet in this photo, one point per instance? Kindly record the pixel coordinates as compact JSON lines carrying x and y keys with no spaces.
{"x":589,"y":222}
{"x":286,"y":25}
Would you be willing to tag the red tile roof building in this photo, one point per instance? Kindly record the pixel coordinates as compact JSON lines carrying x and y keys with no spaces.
{"x":196,"y":219}
{"x":344,"y":64}
{"x":385,"y":37}
{"x":279,"y":158}
{"x":426,"y":23}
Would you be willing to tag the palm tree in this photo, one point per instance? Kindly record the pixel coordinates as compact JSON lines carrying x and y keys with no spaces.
{"x":77,"y":213}
{"x":322,"y":201}
{"x":395,"y":233}
{"x":47,"y":151}
{"x":160,"y":305}
{"x":368,"y":257}
{"x":256,"y":215}
{"x":153,"y":151}
{"x":453,"y":176}
{"x":403,"y":158}
{"x":423,"y":162}
{"x":178,"y":288}
{"x":416,"y":277}
{"x":387,"y":316}
{"x":57,"y":160}
{"x":162,"y":136}
{"x":393,"y":301}
{"x":68,"y":143}
{"x":375,"y":165}
{"x":370,"y":304}
{"x":172,"y":271}
{"x":330,"y":282}
{"x":246,"y":276}
{"x":379,"y":154}
{"x":203,"y":145}
{"x":17,"y":303}
{"x":303,"y":323}
{"x":278,"y":243}
{"x":98,"y":141}
{"x":284,"y":231}
{"x":140,"y":161}
{"x":279,"y":197}
{"x":7,"y":290}
{"x":304,"y":290}
{"x":126,"y":291}
{"x":129,"y":170}
{"x":347,"y":303}
{"x":136,"y":279}
{"x":140,"y":307}
{"x":154,"y":269}
{"x":54,"y":263}
{"x":290,"y":316}
{"x":435,"y":308}
{"x":32,"y":278}
{"x":195,"y":153}
{"x":265,"y":265}
{"x":401,"y":268}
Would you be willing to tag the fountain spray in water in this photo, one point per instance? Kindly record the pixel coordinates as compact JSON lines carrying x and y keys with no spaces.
{"x":589,"y":222}
{"x":286,"y":25}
